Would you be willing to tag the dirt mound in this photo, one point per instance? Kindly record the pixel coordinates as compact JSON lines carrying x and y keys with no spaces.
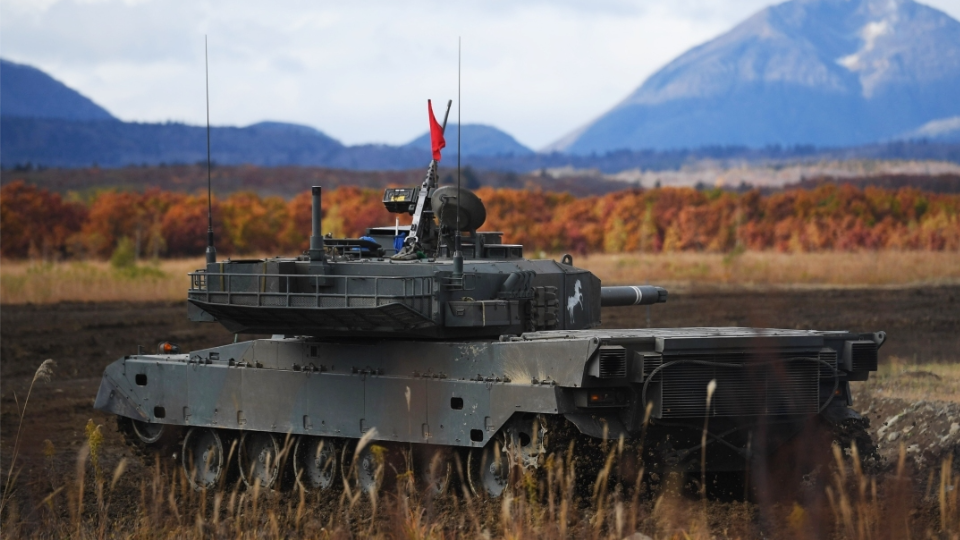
{"x":929,"y":431}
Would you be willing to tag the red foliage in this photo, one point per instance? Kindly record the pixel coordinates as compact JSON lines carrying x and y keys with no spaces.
{"x":174,"y":224}
{"x":184,"y":228}
{"x":36,"y":222}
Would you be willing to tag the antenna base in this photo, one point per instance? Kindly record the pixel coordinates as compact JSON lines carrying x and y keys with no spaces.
{"x":457,"y":258}
{"x":211,"y":254}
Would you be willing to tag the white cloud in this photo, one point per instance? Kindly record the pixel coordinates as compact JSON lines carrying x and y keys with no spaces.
{"x":362,"y":71}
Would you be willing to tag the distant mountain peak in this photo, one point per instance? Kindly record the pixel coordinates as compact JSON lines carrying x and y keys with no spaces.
{"x":941,"y":129}
{"x":287,"y":128}
{"x":478,"y":140}
{"x":825,"y":72}
{"x":27,"y":92}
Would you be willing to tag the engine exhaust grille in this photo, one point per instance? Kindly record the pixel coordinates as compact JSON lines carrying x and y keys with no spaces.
{"x":613,"y":363}
{"x":788,"y":387}
{"x":830,"y":356}
{"x":864,"y":356}
{"x":651,"y":361}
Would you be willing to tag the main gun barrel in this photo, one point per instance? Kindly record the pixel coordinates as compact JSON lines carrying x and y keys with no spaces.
{"x":632,"y":295}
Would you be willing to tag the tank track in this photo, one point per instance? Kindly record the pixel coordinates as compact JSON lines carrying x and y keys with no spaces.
{"x":590,"y":455}
{"x":561,"y":443}
{"x":856,"y":431}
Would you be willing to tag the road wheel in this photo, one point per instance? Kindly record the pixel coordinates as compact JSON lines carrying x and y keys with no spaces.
{"x":363,"y":469}
{"x":488,"y":469}
{"x":316,"y":464}
{"x":148,"y":432}
{"x":259,"y":459}
{"x":203,"y":457}
{"x":516,"y":450}
{"x":433,"y":466}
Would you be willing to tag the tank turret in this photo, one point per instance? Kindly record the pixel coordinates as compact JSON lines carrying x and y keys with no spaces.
{"x":404,"y":283}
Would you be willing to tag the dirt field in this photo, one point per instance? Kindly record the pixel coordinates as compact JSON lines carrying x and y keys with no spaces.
{"x":923,"y":326}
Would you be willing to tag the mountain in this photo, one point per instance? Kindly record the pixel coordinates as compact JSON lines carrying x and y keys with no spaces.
{"x":941,"y":130}
{"x":46,"y":123}
{"x":28,"y":92}
{"x":478,"y":140}
{"x":67,"y":143}
{"x":32,"y":141}
{"x":822,"y":72}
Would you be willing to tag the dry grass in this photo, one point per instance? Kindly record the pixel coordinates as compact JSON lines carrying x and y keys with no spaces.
{"x":42,"y":283}
{"x":24,"y":282}
{"x":771,"y":269}
{"x":157,"y":502}
{"x":911,"y":382}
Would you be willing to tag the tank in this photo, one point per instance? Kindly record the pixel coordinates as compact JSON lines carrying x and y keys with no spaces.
{"x":438,"y":348}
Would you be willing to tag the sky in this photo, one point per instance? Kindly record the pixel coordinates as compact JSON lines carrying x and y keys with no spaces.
{"x":362,"y":71}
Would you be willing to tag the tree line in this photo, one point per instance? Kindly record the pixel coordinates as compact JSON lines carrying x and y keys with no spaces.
{"x":38,"y":223}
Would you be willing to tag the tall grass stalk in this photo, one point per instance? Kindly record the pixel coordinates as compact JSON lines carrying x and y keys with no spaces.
{"x":43,"y":373}
{"x":711,"y":388}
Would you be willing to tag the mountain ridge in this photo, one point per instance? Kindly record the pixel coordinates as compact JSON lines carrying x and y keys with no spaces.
{"x":27,"y":92}
{"x":478,"y":140}
{"x":822,"y":72}
{"x":46,"y":122}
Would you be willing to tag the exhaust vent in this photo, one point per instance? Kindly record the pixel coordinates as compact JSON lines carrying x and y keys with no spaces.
{"x":863,"y":356}
{"x":613,"y":363}
{"x":651,"y":361}
{"x":829,"y":356}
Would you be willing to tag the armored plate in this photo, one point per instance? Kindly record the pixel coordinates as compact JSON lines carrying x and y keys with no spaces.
{"x":459,"y":393}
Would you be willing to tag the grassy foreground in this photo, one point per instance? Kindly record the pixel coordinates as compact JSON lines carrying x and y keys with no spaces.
{"x":41,"y":283}
{"x":104,"y":498}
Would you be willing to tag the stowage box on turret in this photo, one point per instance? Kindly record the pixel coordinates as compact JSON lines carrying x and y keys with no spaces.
{"x":439,"y":342}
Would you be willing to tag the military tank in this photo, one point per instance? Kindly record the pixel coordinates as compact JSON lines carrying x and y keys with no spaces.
{"x":438,"y":347}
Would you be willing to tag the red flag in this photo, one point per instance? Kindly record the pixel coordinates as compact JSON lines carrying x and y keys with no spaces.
{"x":436,"y":134}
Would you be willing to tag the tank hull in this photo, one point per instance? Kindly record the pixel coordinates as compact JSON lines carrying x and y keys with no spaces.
{"x":461,"y":393}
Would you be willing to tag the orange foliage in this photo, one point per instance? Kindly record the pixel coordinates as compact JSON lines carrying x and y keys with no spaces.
{"x":36,"y":222}
{"x":184,"y":227}
{"x":830,"y":217}
{"x":252,"y":224}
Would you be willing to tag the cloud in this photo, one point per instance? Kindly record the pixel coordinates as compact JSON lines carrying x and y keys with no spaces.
{"x":360,"y":71}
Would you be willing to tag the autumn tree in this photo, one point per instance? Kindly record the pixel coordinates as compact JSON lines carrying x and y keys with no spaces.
{"x":36,"y":221}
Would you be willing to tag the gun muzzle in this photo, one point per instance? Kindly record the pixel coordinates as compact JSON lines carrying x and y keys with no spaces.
{"x":632,"y":295}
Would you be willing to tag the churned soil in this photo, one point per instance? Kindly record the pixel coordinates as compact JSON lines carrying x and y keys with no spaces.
{"x":922,"y":325}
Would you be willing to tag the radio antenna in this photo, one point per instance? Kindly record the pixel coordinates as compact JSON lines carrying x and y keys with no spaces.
{"x":211,"y":251}
{"x":457,"y":254}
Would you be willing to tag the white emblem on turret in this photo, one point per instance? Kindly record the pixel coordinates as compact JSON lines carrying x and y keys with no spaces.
{"x":575,"y":299}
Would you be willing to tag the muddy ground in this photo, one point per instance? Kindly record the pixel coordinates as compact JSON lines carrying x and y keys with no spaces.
{"x":923,"y":325}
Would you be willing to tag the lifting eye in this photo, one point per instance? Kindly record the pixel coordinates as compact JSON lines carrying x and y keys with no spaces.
{"x":476,"y":435}
{"x":456,"y":403}
{"x":141,"y":379}
{"x":159,"y":412}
